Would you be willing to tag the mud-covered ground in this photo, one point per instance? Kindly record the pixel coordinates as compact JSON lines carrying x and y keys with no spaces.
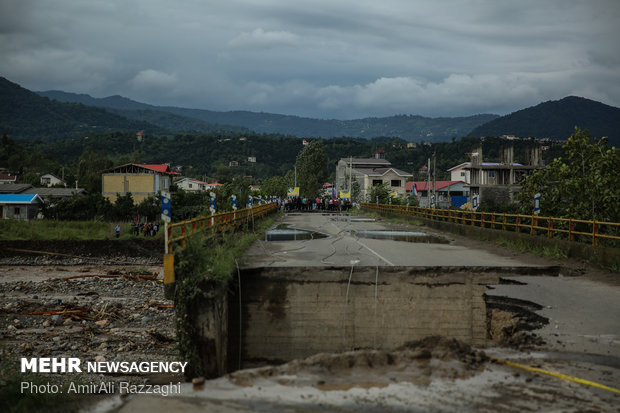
{"x":431,"y":375}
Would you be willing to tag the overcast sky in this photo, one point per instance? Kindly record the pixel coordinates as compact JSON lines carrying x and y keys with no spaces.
{"x":320,"y":58}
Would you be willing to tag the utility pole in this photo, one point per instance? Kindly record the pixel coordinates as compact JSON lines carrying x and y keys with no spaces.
{"x":435,"y":178}
{"x":428,"y":184}
{"x":350,"y":177}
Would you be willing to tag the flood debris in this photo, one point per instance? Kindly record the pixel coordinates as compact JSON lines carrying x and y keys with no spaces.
{"x":117,"y":314}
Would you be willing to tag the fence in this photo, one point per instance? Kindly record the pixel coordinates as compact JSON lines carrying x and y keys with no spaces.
{"x":568,"y":228}
{"x":178,"y":232}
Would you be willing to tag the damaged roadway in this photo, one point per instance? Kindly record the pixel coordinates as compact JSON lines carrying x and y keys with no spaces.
{"x":436,"y":373}
{"x":576,"y":333}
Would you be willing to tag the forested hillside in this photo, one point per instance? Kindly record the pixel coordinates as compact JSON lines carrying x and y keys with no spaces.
{"x":24,"y":114}
{"x":557,"y":120}
{"x":209,"y":155}
{"x":408,"y":127}
{"x":137,"y":111}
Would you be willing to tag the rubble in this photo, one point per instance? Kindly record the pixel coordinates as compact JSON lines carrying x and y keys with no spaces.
{"x":121,"y":316}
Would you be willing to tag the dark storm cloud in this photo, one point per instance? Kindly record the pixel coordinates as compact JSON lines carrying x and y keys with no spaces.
{"x":317,"y":58}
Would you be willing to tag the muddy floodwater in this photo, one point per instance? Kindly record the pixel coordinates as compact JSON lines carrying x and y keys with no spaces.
{"x":285,"y":233}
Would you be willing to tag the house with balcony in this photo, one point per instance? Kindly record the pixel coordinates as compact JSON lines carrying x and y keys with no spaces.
{"x":499,"y":182}
{"x":370,"y":172}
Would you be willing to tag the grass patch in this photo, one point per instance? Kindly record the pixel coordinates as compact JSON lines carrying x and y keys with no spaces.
{"x":64,"y":230}
{"x":543,"y":251}
{"x":204,"y":269}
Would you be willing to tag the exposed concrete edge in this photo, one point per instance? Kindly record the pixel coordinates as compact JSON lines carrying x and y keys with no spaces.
{"x":605,"y":257}
{"x":367,"y":274}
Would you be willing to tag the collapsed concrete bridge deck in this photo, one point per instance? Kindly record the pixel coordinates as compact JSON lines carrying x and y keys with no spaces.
{"x":345,"y":292}
{"x":341,"y":291}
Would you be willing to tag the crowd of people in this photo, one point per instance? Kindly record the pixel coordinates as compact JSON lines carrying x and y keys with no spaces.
{"x":145,"y":228}
{"x":314,"y":204}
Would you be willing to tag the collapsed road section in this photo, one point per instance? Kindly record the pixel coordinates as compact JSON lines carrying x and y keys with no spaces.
{"x":339,"y":292}
{"x":291,"y":313}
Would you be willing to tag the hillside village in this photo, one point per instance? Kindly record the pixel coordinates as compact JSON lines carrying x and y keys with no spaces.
{"x":496,"y":180}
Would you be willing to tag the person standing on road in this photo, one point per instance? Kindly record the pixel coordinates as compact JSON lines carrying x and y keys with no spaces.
{"x":118,"y":230}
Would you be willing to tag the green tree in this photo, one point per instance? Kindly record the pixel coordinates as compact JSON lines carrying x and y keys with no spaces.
{"x":584,"y":185}
{"x":149,"y":208}
{"x":90,"y":166}
{"x":312,"y":169}
{"x":79,"y":208}
{"x":238,"y":187}
{"x":382,"y":191}
{"x":278,"y":185}
{"x":224,"y":174}
{"x":124,"y":208}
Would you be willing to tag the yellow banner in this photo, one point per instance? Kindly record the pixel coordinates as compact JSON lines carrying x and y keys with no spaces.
{"x":293,"y":191}
{"x":345,"y":195}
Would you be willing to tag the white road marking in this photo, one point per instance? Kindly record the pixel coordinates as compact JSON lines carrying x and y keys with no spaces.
{"x":374,"y":252}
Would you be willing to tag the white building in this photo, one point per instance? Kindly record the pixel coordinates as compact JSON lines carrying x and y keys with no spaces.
{"x":191,"y":185}
{"x":369,"y":172}
{"x":52,"y":180}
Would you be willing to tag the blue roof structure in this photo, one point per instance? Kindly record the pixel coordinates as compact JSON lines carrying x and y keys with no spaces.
{"x":19,"y":198}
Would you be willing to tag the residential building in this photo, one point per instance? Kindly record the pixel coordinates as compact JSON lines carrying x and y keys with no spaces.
{"x":233,"y":163}
{"x":141,"y":181}
{"x":8,"y":179}
{"x":460,"y":172}
{"x":52,"y":180}
{"x":499,"y":182}
{"x":252,"y":159}
{"x":448,"y":193}
{"x":369,"y":172}
{"x":52,"y":195}
{"x":191,"y":185}
{"x":20,"y":206}
{"x":14,"y":188}
{"x":49,"y":195}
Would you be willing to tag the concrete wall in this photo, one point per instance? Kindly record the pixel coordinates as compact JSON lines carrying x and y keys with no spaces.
{"x":291,"y":313}
{"x":211,"y":317}
{"x":141,"y":186}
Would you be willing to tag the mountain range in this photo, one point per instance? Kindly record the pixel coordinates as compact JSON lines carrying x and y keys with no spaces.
{"x":53,"y":115}
{"x":412,"y":128}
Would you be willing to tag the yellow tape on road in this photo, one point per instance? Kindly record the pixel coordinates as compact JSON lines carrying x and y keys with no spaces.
{"x":558,"y":375}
